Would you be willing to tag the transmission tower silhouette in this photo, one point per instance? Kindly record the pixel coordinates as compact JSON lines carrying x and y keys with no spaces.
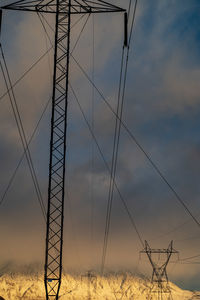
{"x":159,"y":280}
{"x":91,"y":280}
{"x":63,"y":11}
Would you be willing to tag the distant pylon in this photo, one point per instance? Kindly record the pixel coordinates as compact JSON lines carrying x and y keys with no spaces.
{"x":92,"y":279}
{"x":159,"y":279}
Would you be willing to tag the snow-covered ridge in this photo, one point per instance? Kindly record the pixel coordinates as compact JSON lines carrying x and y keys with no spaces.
{"x":113,"y":286}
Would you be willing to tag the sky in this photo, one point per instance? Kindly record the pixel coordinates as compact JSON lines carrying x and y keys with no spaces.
{"x":162,"y":110}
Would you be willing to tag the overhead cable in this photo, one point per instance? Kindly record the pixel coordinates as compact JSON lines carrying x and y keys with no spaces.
{"x":35,"y":63}
{"x":113,"y":166}
{"x":13,"y":85}
{"x":135,"y":140}
{"x":23,"y":155}
{"x":107,"y":166}
{"x":25,"y":73}
{"x":119,"y":114}
{"x":92,"y":198}
{"x":191,"y":257}
{"x":40,"y":16}
{"x":21,"y":131}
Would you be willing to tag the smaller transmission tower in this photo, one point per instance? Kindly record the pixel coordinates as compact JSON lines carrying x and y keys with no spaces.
{"x":91,"y":279}
{"x":159,"y":259}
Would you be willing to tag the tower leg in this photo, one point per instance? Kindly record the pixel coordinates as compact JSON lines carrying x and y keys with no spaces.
{"x":55,"y":211}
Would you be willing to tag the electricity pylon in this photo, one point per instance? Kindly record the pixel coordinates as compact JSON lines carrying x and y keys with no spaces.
{"x":63,"y":10}
{"x":91,"y":279}
{"x":159,"y":274}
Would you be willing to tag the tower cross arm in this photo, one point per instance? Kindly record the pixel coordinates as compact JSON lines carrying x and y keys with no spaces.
{"x":77,"y":6}
{"x":169,"y":250}
{"x":159,"y":251}
{"x":159,"y":274}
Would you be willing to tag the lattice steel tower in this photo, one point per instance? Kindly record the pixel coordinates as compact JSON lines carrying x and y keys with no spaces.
{"x":159,"y":275}
{"x":63,"y":10}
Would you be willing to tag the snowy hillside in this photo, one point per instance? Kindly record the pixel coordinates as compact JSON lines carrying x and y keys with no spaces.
{"x":14,"y":287}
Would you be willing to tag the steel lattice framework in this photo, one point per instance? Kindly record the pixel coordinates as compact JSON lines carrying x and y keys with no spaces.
{"x":71,"y":7}
{"x":63,"y":9}
{"x":159,"y":274}
{"x":54,"y":239}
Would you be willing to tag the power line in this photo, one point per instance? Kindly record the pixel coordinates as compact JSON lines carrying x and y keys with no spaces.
{"x":107,"y":166}
{"x":21,"y":131}
{"x":10,"y":89}
{"x":78,"y":38}
{"x":25,"y":73}
{"x":40,"y":16}
{"x":129,"y":7}
{"x":132,"y":24}
{"x":191,"y":257}
{"x":20,"y":127}
{"x":190,"y":263}
{"x":119,"y":113}
{"x":92,"y":199}
{"x":73,"y":25}
{"x":113,"y":167}
{"x":36,"y":62}
{"x":80,"y":33}
{"x":26,"y":150}
{"x":173,"y":230}
{"x":24,"y":143}
{"x":22,"y":157}
{"x":134,"y":139}
{"x":13,"y":85}
{"x":188,"y":238}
